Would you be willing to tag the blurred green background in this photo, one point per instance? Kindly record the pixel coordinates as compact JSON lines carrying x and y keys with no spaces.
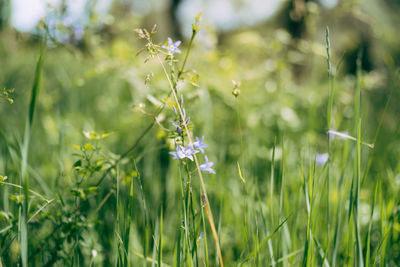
{"x":93,"y":80}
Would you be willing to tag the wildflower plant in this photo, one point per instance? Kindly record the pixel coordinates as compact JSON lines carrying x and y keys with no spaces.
{"x":96,"y":208}
{"x":166,"y":57}
{"x":91,"y":159}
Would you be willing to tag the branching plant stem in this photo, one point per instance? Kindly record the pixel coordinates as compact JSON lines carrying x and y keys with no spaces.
{"x":203,"y":186}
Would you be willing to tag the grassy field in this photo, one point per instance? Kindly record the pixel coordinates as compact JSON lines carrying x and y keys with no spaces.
{"x":254,"y":147}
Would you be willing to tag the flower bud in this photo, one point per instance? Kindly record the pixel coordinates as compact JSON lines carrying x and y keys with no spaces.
{"x":236,"y":92}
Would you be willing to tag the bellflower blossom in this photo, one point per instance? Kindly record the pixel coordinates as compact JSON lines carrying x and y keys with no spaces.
{"x":200,"y":236}
{"x":178,"y":154}
{"x":199,"y":144}
{"x":207,"y":166}
{"x":172,"y":47}
{"x":184,"y":152}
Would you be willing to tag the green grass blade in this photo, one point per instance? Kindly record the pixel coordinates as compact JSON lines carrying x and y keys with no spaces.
{"x":357,"y":198}
{"x":265,"y":240}
{"x":204,"y":237}
{"x":357,"y":161}
{"x":329,"y":122}
{"x":25,"y":150}
{"x":321,"y":252}
{"x":178,"y":248}
{"x":36,"y":82}
{"x":160,"y":238}
{"x":368,"y":239}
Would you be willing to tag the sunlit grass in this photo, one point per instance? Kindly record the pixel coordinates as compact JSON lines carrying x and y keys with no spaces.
{"x":87,"y":197}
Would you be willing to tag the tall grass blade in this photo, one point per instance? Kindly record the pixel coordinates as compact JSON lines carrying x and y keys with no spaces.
{"x":178,"y":248}
{"x":368,"y":239}
{"x":321,"y":253}
{"x":204,"y":237}
{"x":160,"y":238}
{"x":329,"y":125}
{"x":265,"y":240}
{"x":25,"y":150}
{"x":357,"y":162}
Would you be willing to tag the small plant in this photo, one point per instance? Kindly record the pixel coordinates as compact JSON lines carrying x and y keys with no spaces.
{"x":5,"y":94}
{"x":186,"y":147}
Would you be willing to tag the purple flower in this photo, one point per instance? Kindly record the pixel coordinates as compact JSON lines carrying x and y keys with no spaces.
{"x":183,"y":152}
{"x":189,"y":152}
{"x":201,"y":235}
{"x":321,"y":159}
{"x":178,"y":154}
{"x":199,"y":144}
{"x":172,"y":47}
{"x":207,"y":166}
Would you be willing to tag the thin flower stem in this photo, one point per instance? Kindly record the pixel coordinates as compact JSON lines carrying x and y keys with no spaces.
{"x":40,"y":209}
{"x":203,"y":186}
{"x":241,"y":141}
{"x":33,"y":192}
{"x":186,"y":56}
{"x":148,"y":128}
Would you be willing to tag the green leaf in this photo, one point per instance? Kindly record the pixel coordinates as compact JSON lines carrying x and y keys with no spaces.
{"x":3,"y":178}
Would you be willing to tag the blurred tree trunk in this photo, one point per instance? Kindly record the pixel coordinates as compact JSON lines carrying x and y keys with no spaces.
{"x":173,"y":15}
{"x":5,"y":12}
{"x":292,"y":17}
